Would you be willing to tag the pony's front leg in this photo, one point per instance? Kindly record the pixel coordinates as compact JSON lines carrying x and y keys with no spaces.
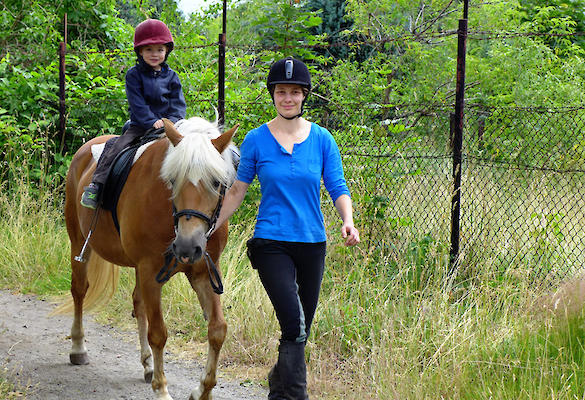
{"x":142,"y":322}
{"x":216,"y":333}
{"x":157,"y":332}
{"x":79,"y":285}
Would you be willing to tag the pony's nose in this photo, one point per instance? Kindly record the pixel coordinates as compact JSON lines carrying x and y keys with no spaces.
{"x":186,"y":252}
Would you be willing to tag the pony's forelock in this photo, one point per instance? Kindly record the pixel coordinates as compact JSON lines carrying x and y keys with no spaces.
{"x":195,"y":158}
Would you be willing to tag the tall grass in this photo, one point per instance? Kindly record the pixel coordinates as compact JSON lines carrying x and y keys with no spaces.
{"x":34,"y":247}
{"x":386,"y":327}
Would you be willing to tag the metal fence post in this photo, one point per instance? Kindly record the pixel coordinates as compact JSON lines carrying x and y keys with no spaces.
{"x":62,"y":108}
{"x":221,"y":70}
{"x":457,"y":141}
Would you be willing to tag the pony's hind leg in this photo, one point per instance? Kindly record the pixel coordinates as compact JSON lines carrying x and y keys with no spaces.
{"x":142,"y":322}
{"x":79,"y":286}
{"x":216,"y":333}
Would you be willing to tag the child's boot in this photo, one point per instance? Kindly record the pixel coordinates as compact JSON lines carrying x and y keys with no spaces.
{"x":91,"y":195}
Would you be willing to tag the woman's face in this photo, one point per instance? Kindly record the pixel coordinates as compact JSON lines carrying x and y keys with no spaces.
{"x":288,"y":99}
{"x":154,"y":55}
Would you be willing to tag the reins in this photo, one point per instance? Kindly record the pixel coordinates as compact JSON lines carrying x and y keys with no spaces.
{"x":166,"y":271}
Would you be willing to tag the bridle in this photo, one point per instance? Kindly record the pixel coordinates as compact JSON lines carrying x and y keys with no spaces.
{"x":167,"y":269}
{"x":211,"y":221}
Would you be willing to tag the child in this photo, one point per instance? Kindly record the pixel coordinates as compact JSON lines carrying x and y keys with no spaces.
{"x":154,"y":92}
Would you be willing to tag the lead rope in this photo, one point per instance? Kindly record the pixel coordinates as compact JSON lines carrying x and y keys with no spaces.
{"x":167,"y":270}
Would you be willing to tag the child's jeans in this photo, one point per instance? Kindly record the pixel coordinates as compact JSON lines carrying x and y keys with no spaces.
{"x":111,"y":151}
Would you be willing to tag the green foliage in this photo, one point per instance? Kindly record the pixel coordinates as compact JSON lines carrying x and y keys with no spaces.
{"x":95,"y":95}
{"x":29,"y":92}
{"x":287,"y":25}
{"x":136,"y":11}
{"x":29,"y":30}
{"x":561,"y":17}
{"x":334,"y":27}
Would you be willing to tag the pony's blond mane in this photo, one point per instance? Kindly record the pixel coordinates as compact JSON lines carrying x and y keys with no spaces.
{"x":195,"y":159}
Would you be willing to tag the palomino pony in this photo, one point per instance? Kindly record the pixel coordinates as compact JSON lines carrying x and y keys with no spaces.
{"x":189,"y":170}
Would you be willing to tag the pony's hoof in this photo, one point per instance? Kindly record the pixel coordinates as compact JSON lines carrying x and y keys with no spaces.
{"x":194,"y":394}
{"x":162,"y":395}
{"x":148,"y":376}
{"x":197,"y":394}
{"x":79,"y":358}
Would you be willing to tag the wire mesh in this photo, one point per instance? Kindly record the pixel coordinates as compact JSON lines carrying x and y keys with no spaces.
{"x":522,"y":190}
{"x":522,"y":175}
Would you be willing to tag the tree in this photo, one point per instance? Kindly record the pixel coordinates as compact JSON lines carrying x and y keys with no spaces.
{"x":334,"y":23}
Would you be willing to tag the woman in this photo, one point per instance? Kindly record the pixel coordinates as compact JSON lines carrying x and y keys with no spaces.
{"x":290,"y":155}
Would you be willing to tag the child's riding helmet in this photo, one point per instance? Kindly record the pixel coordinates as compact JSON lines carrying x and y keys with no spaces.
{"x":153,"y":31}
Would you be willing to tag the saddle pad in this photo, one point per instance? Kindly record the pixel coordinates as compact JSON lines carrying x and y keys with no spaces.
{"x":97,"y":150}
{"x":119,"y":171}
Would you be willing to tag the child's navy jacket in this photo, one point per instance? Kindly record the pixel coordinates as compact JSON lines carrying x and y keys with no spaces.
{"x":153,"y":95}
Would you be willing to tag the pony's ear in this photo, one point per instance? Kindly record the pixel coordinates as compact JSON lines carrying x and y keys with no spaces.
{"x":172,"y":132}
{"x":221,"y":142}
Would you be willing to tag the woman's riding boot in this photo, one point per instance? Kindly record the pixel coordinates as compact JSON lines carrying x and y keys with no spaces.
{"x":275,"y":385}
{"x":292,"y":370}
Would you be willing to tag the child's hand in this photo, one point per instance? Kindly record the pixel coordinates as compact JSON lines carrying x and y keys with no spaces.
{"x":158,"y":124}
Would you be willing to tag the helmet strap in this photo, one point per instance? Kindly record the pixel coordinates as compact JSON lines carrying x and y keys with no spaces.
{"x":291,"y":118}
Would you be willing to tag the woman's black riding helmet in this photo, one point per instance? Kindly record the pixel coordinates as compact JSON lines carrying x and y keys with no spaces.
{"x":289,"y":70}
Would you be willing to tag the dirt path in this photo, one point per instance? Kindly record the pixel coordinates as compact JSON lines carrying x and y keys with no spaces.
{"x":34,"y":349}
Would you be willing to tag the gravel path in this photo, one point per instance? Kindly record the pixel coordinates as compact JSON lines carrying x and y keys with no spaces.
{"x":34,"y":349}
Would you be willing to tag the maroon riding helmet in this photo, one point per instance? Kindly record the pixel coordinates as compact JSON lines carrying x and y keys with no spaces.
{"x":153,"y":31}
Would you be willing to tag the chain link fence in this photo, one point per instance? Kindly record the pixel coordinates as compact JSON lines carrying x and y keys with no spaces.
{"x":522,"y":191}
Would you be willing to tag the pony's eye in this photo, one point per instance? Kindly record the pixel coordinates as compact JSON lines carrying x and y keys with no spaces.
{"x":215,"y":184}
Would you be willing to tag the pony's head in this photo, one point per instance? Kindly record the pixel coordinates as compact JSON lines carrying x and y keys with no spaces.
{"x":197,"y":168}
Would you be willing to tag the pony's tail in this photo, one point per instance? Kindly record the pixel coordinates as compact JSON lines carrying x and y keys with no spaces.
{"x":103,"y":281}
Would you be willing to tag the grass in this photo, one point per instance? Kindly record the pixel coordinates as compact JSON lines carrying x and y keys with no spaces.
{"x":387,"y":327}
{"x":33,"y":242}
{"x":9,"y":390}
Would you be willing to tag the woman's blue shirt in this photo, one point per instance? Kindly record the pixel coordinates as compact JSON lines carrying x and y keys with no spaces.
{"x":290,"y":184}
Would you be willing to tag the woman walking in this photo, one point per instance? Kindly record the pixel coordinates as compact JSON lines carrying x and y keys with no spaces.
{"x":290,"y":156}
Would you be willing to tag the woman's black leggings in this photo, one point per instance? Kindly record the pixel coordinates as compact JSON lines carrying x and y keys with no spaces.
{"x":291,"y":273}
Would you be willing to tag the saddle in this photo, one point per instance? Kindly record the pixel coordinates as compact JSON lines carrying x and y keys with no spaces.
{"x":119,"y":171}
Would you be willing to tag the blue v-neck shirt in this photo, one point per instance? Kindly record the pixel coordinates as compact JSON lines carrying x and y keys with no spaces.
{"x":290,"y":207}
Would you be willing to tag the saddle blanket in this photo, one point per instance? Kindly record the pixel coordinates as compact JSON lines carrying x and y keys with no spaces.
{"x":181,"y":125}
{"x":98,"y":149}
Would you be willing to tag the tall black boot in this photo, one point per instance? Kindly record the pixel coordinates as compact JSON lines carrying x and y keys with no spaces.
{"x":274,"y":384}
{"x":292,"y":370}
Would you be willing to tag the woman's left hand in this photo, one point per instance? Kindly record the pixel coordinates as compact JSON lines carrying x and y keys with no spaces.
{"x":350,"y":234}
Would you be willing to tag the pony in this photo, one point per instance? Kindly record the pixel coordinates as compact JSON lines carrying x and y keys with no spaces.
{"x":187,"y":169}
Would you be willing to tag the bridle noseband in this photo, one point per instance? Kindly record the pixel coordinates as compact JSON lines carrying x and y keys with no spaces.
{"x":166,"y":271}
